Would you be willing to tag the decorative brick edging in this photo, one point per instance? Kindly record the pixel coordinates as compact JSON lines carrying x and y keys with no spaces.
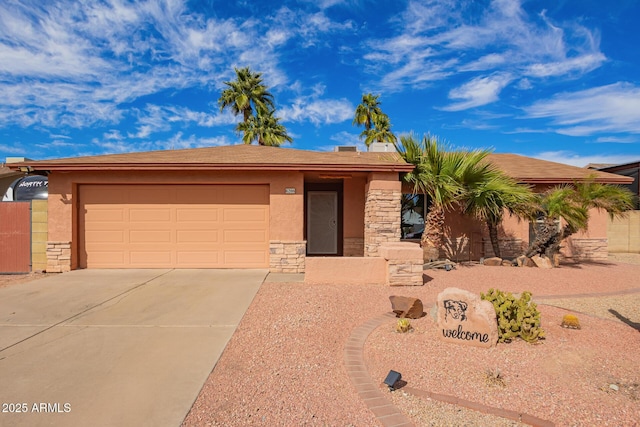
{"x":387,"y":413}
{"x":369,"y":392}
{"x":503,"y":413}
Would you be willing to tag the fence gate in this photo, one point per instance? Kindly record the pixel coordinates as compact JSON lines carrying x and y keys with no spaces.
{"x":15,"y":237}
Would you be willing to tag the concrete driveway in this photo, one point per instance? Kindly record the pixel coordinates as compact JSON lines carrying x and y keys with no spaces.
{"x":115,"y":347}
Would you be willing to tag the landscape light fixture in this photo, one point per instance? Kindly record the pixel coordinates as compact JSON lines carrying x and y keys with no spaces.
{"x":392,"y":378}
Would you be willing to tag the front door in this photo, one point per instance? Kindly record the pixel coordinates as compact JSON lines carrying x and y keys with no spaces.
{"x":323,"y":222}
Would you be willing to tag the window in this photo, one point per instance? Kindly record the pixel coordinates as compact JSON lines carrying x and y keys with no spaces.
{"x":412,"y":216}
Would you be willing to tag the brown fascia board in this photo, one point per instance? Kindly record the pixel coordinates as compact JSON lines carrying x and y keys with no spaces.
{"x":43,"y":166}
{"x":600,"y":179}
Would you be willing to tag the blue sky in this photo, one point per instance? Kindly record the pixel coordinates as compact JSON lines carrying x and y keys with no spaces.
{"x":550,"y":79}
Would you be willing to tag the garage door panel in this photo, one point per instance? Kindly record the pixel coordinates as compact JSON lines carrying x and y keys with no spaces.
{"x":246,"y":236}
{"x":197,"y":214}
{"x":150,"y":213}
{"x":150,"y":258}
{"x":250,"y":258}
{"x":150,"y":236}
{"x":244,"y":214}
{"x":181,"y":226}
{"x":189,"y":258}
{"x":105,"y":258}
{"x":101,"y":214}
{"x":105,"y":236}
{"x":197,"y":236}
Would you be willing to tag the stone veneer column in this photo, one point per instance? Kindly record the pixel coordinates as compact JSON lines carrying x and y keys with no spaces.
{"x":381,"y":214}
{"x":287,"y":256}
{"x":58,"y":257}
{"x":589,"y":249}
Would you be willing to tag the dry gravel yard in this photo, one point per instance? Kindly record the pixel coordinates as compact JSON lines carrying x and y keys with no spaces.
{"x":285,"y":364}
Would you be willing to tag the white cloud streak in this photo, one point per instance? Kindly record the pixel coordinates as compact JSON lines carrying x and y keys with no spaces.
{"x":437,"y":38}
{"x":612,"y":109}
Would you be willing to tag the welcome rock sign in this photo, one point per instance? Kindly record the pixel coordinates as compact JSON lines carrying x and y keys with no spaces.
{"x":464,"y":318}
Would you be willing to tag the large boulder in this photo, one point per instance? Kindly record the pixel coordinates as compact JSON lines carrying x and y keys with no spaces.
{"x":406,"y":307}
{"x":464,"y":318}
{"x":542,"y":261}
{"x":493,"y":261}
{"x":524,"y":261}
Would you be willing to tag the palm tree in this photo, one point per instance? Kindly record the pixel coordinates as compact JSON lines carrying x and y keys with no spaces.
{"x":245,"y":94}
{"x":572,"y":204}
{"x":489,"y":197}
{"x":264,"y":128}
{"x":367,"y":111}
{"x":442,"y":175}
{"x":381,"y":132}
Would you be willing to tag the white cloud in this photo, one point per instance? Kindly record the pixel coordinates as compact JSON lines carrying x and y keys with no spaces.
{"x":478,"y":91}
{"x":613,"y":108}
{"x":311,"y":108}
{"x":618,"y":139}
{"x":571,"y":158}
{"x":450,"y":37}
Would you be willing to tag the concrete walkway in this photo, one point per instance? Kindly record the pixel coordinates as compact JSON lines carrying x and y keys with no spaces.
{"x":115,"y":347}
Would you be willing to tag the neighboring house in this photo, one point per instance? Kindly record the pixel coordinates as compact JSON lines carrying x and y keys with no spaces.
{"x":624,"y":232}
{"x":7,"y":176}
{"x":631,"y":170}
{"x":243,"y":206}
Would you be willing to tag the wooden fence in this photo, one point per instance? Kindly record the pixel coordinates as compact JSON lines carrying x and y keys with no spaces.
{"x":15,"y":237}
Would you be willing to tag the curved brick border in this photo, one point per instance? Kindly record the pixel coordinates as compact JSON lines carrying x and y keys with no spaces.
{"x":369,"y":392}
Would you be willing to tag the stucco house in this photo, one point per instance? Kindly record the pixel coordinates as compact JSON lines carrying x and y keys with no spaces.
{"x":246,"y":206}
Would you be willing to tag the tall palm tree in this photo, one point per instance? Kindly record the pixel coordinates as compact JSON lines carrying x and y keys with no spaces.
{"x":264,"y":128}
{"x":490,"y":197}
{"x":381,"y":132}
{"x":442,"y":175}
{"x":245,"y":94}
{"x":572,"y":204}
{"x":367,"y":111}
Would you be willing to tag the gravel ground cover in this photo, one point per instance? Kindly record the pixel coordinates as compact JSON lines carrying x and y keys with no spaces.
{"x":284,"y":366}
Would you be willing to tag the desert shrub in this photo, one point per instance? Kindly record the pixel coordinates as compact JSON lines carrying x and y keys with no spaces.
{"x":403,"y":325}
{"x":570,"y":321}
{"x":517,"y":317}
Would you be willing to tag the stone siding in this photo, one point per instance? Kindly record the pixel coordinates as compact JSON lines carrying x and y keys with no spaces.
{"x":588,"y":249}
{"x":58,"y":257}
{"x":381,"y":219}
{"x":353,"y":246}
{"x":404,"y":263}
{"x":287,"y":256}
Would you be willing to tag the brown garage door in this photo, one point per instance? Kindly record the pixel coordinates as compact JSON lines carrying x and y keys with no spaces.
{"x":178,"y":226}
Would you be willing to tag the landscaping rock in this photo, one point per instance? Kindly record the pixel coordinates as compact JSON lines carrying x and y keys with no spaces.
{"x":542,"y":262}
{"x":406,"y":307}
{"x":494,"y":261}
{"x":464,"y":318}
{"x":524,"y":261}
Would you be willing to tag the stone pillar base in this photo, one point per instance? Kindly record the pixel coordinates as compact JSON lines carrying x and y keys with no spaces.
{"x":287,"y":256}
{"x":404,"y":263}
{"x":58,"y":257}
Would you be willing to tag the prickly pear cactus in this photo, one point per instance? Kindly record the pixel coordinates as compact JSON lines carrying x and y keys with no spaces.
{"x":516,"y":317}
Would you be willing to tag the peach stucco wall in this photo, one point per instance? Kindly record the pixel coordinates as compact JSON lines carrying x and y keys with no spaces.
{"x":353,"y":206}
{"x":286,"y":210}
